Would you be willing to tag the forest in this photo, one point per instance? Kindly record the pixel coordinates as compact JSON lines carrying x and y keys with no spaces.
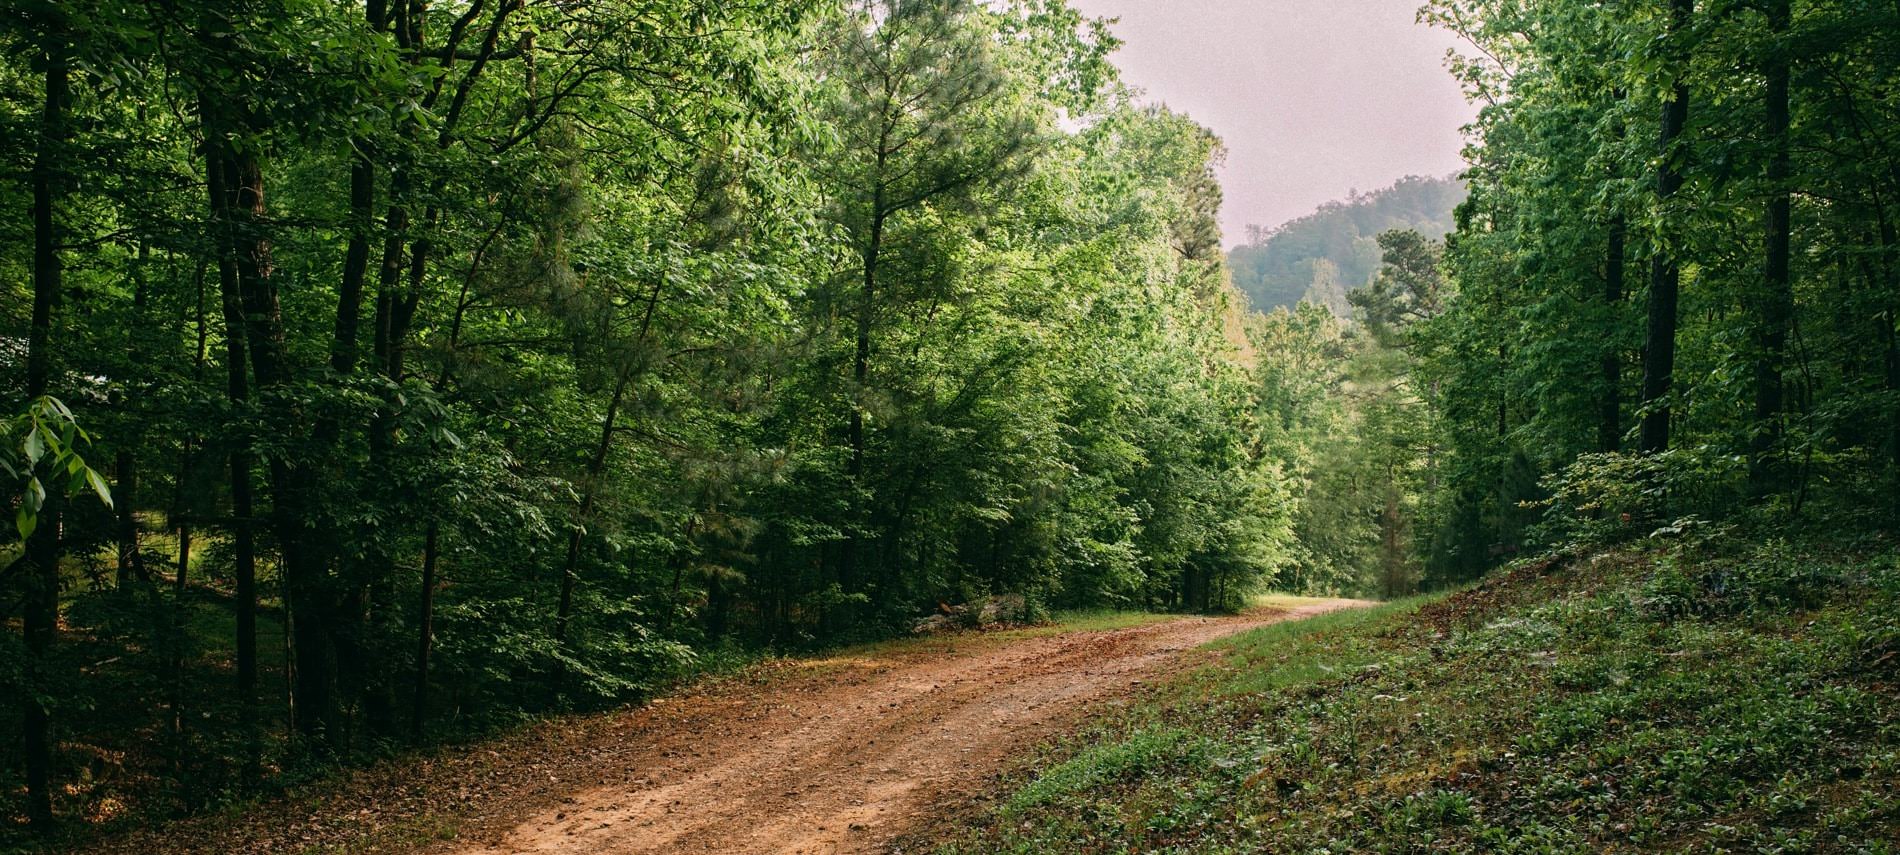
{"x":382,"y":375}
{"x":1318,"y":258}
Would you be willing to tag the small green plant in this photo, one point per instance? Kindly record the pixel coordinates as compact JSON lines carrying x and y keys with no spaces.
{"x":43,"y":447}
{"x":1771,"y":579}
{"x":1611,"y":498}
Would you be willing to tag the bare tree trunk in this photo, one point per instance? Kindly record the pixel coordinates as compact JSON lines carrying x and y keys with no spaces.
{"x":349,"y":306}
{"x":1610,"y":414}
{"x":860,"y":377}
{"x":425,"y":630}
{"x":131,"y":562}
{"x":1665,"y":276}
{"x":238,"y":202}
{"x":41,"y":619}
{"x":240,"y":459}
{"x":180,"y":509}
{"x":1890,"y":330}
{"x":1777,"y":299}
{"x":570,"y":570}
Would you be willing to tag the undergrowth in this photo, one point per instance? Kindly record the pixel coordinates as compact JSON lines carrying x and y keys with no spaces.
{"x":1680,"y":697}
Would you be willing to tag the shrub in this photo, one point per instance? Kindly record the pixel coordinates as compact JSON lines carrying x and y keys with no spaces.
{"x":1613,"y":497}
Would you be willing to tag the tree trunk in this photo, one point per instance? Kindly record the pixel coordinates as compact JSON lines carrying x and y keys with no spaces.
{"x":244,"y":555}
{"x":40,"y":622}
{"x":1610,"y":412}
{"x":425,"y":631}
{"x":237,"y":389}
{"x":1193,"y":583}
{"x":125,"y":463}
{"x":1777,"y":299}
{"x":1890,"y":330}
{"x":849,"y":576}
{"x":1659,"y":345}
{"x":349,"y":306}
{"x":131,"y":564}
{"x":238,"y":201}
{"x":181,"y":509}
{"x":1391,"y":544}
{"x":570,"y":570}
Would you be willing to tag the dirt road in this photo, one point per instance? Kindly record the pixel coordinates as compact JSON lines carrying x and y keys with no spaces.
{"x":837,"y":755}
{"x":845,"y":762}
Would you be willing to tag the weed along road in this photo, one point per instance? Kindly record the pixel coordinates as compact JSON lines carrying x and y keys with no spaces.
{"x":842,"y":757}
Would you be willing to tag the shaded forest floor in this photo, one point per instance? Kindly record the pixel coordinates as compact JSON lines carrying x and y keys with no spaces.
{"x":1726,"y":695}
{"x":837,"y":754}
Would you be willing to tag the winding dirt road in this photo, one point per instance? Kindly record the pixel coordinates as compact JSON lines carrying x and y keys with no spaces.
{"x":848,"y":760}
{"x":840,"y":755}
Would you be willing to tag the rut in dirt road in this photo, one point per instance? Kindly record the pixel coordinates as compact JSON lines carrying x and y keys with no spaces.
{"x":839,"y":764}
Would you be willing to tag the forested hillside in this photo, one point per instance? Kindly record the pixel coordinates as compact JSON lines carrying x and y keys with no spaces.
{"x":1318,"y":258}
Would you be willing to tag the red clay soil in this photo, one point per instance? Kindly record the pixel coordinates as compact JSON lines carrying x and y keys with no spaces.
{"x":839,"y":755}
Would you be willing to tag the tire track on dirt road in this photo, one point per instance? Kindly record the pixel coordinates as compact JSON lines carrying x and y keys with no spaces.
{"x":840,"y":765}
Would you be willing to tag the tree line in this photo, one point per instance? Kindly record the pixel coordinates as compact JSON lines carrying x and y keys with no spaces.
{"x":381,"y":373}
{"x":1669,"y":303}
{"x":437,"y":362}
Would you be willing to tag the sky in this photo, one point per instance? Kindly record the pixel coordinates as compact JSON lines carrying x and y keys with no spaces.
{"x":1314,"y":98}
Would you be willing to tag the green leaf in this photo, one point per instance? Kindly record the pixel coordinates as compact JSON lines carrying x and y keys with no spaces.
{"x":25,"y":521}
{"x":99,"y":487}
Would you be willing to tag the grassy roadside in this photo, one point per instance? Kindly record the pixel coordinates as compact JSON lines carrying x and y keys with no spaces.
{"x":1724,"y":697}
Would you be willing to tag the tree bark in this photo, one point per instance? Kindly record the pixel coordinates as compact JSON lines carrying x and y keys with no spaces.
{"x":570,"y":570}
{"x":1610,"y":412}
{"x":237,"y":390}
{"x":1665,"y":275}
{"x":40,"y":622}
{"x":131,"y":562}
{"x":1777,"y":298}
{"x":349,"y":307}
{"x":1890,"y":331}
{"x":238,"y":202}
{"x":425,"y":630}
{"x":860,"y":376}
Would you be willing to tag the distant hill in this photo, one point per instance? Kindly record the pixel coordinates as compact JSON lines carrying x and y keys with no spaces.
{"x":1321,"y":256}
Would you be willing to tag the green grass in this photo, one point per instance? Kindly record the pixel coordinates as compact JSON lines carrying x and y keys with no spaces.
{"x":1090,"y":620}
{"x":1299,"y":652}
{"x":1734,"y":697}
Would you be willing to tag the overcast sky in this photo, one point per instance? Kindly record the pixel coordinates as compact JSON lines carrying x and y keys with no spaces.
{"x":1313,"y":97}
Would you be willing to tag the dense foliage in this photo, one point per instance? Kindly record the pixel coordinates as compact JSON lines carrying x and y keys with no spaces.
{"x":1729,"y":163}
{"x":447,"y":361}
{"x":1671,"y":299}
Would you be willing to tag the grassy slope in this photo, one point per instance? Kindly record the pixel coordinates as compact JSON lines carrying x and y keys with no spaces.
{"x":1739,"y":698}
